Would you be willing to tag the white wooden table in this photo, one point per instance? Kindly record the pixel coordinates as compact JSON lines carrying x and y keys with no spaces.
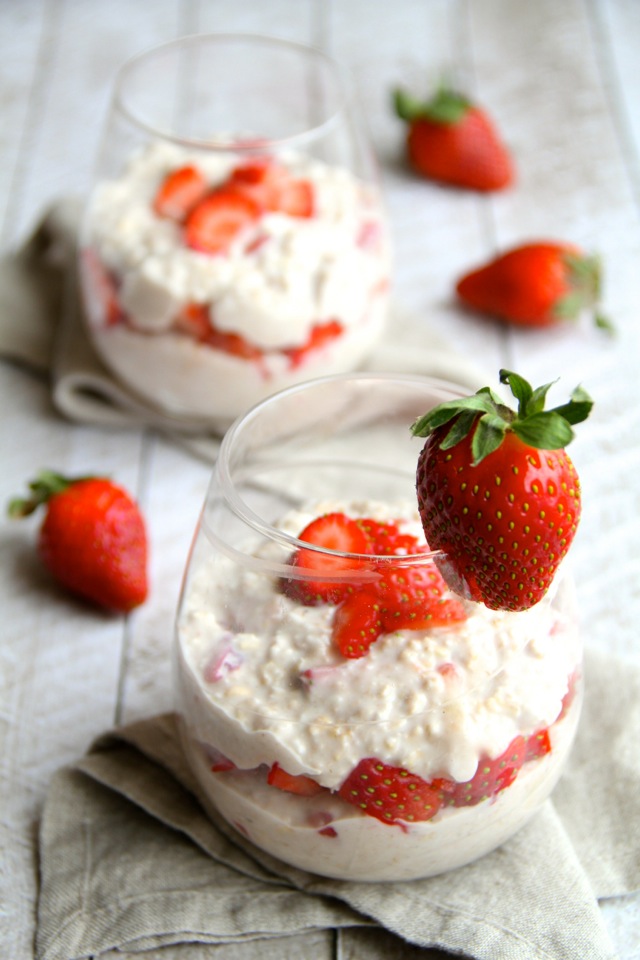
{"x":562,"y":78}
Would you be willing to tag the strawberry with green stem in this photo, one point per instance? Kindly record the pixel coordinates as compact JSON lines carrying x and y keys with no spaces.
{"x":454,"y":141}
{"x":536,"y":285}
{"x":497,"y":493}
{"x":93,"y":538}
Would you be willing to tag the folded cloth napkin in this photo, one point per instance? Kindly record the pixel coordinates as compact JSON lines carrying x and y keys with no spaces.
{"x":41,"y":326}
{"x":129,"y":861}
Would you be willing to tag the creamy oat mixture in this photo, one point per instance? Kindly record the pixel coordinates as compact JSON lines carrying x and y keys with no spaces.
{"x":277,"y":280}
{"x":268,"y":680}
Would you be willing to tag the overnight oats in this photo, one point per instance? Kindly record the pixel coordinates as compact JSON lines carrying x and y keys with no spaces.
{"x":340,"y":706}
{"x":217,"y":267}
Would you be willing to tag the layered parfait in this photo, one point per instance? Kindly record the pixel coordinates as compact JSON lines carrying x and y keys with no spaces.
{"x":351,"y":716}
{"x":211,"y":280}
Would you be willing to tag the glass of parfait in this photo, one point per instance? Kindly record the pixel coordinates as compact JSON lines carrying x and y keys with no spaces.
{"x":340,"y":707}
{"x":234,"y":241}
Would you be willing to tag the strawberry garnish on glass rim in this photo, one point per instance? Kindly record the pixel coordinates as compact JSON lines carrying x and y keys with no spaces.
{"x":497,"y":493}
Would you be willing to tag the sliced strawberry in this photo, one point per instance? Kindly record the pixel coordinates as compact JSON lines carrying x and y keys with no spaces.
{"x":194,"y":320}
{"x":538,"y":745}
{"x":217,"y":219}
{"x":234,"y":343}
{"x":270,"y":185}
{"x":356,"y":624}
{"x":179,"y":192}
{"x":299,"y":784}
{"x":415,"y":598}
{"x":321,"y":334}
{"x":218,"y":762}
{"x":332,"y":531}
{"x":491,"y":777}
{"x":224,"y":661}
{"x":386,"y":539}
{"x":295,"y":198}
{"x":391,"y":794}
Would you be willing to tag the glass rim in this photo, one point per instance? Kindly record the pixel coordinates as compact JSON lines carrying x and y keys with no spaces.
{"x":247,"y":147}
{"x":244,"y":512}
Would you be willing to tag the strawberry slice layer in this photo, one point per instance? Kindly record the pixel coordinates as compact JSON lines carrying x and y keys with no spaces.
{"x":299,"y":784}
{"x":332,"y":531}
{"x":493,"y":776}
{"x":321,"y":334}
{"x":390,"y":794}
{"x":179,"y":192}
{"x":217,"y":220}
{"x":271,"y":186}
{"x":414,"y":598}
{"x":356,"y":624}
{"x":404,"y":598}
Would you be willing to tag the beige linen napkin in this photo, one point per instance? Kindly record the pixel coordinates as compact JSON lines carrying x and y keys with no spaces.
{"x":41,"y":326}
{"x":130,"y":862}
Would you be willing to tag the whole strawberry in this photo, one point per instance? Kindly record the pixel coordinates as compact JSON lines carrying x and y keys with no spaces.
{"x":536,"y":285}
{"x":453,"y":141}
{"x":93,"y":538}
{"x":497,"y":492}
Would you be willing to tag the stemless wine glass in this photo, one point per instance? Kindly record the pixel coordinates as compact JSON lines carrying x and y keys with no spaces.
{"x":234,"y":242}
{"x":340,"y":707}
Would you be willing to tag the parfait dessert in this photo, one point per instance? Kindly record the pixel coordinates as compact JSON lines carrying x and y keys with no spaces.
{"x":349,"y":702}
{"x":237,"y":245}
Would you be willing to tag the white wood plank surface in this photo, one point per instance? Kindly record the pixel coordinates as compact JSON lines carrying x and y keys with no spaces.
{"x":563,"y":81}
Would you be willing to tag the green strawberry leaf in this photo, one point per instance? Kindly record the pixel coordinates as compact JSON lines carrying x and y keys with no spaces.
{"x":46,"y":485}
{"x":484,"y":411}
{"x":578,"y":408}
{"x":447,"y":106}
{"x":479,"y":402}
{"x":407,"y":107}
{"x":545,"y":431}
{"x":520,"y":388}
{"x":461,"y":427}
{"x":488,"y":436}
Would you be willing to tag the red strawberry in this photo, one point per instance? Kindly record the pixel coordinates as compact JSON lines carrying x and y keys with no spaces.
{"x":497,"y":492}
{"x":179,"y":192}
{"x":92,"y":540}
{"x":535,"y":285}
{"x":270,"y":185}
{"x":299,"y":784}
{"x":493,"y":776}
{"x":357,"y":623}
{"x":538,"y":745}
{"x":334,"y":532}
{"x":295,"y":198}
{"x":454,"y":141}
{"x":414,"y":598}
{"x":195,"y":320}
{"x":216,"y":220}
{"x":385,"y":538}
{"x":391,"y":794}
{"x":321,"y":334}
